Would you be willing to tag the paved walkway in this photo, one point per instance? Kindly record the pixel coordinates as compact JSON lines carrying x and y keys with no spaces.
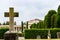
{"x":21,"y":38}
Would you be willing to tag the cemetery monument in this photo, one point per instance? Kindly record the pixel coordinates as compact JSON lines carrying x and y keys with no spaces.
{"x":11,"y":34}
{"x":49,"y":35}
{"x":58,"y":34}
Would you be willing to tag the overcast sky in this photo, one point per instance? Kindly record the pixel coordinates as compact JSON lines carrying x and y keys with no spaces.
{"x":28,"y":9}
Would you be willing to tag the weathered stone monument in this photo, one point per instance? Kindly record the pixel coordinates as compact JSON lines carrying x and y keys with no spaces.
{"x":38,"y":36}
{"x":58,"y":34}
{"x":49,"y":35}
{"x":11,"y":34}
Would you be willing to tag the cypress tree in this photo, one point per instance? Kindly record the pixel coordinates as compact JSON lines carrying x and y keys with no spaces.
{"x":40,"y":24}
{"x":33,"y":26}
{"x":27,"y":25}
{"x":54,"y":21}
{"x":58,"y":17}
{"x":47,"y":20}
{"x":22,"y":26}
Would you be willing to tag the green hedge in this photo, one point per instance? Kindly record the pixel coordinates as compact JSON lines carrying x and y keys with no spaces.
{"x":32,"y":33}
{"x":54,"y":33}
{"x":2,"y":31}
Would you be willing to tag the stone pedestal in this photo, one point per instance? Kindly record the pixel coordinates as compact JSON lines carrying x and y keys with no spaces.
{"x":10,"y":36}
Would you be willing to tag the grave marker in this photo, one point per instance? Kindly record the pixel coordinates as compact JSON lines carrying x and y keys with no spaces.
{"x":11,"y":34}
{"x":11,"y":14}
{"x":58,"y":34}
{"x":38,"y":36}
{"x":49,"y":35}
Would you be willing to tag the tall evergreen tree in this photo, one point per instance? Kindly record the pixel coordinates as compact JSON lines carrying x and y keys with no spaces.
{"x":22,"y":26}
{"x":40,"y":24}
{"x":47,"y":20}
{"x":58,"y":17}
{"x":27,"y":24}
{"x":54,"y":21}
{"x":33,"y":26}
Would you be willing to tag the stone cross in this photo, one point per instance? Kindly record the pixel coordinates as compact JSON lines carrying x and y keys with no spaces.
{"x":11,"y":14}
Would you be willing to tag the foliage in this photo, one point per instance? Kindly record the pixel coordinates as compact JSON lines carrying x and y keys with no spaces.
{"x":58,"y":10}
{"x":40,"y":24}
{"x":47,"y":20}
{"x":2,"y":31}
{"x":7,"y":23}
{"x":32,"y":33}
{"x":22,"y":26}
{"x":54,"y":33}
{"x":58,"y":17}
{"x":27,"y":24}
{"x":54,"y":21}
{"x":58,"y":21}
{"x":33,"y":26}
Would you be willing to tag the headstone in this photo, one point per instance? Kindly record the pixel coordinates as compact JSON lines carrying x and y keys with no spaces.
{"x":11,"y":34}
{"x":38,"y":36}
{"x":58,"y":34}
{"x":49,"y":35}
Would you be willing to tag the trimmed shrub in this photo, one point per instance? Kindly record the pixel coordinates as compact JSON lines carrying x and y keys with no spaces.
{"x":2,"y":31}
{"x":54,"y":33}
{"x":32,"y":33}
